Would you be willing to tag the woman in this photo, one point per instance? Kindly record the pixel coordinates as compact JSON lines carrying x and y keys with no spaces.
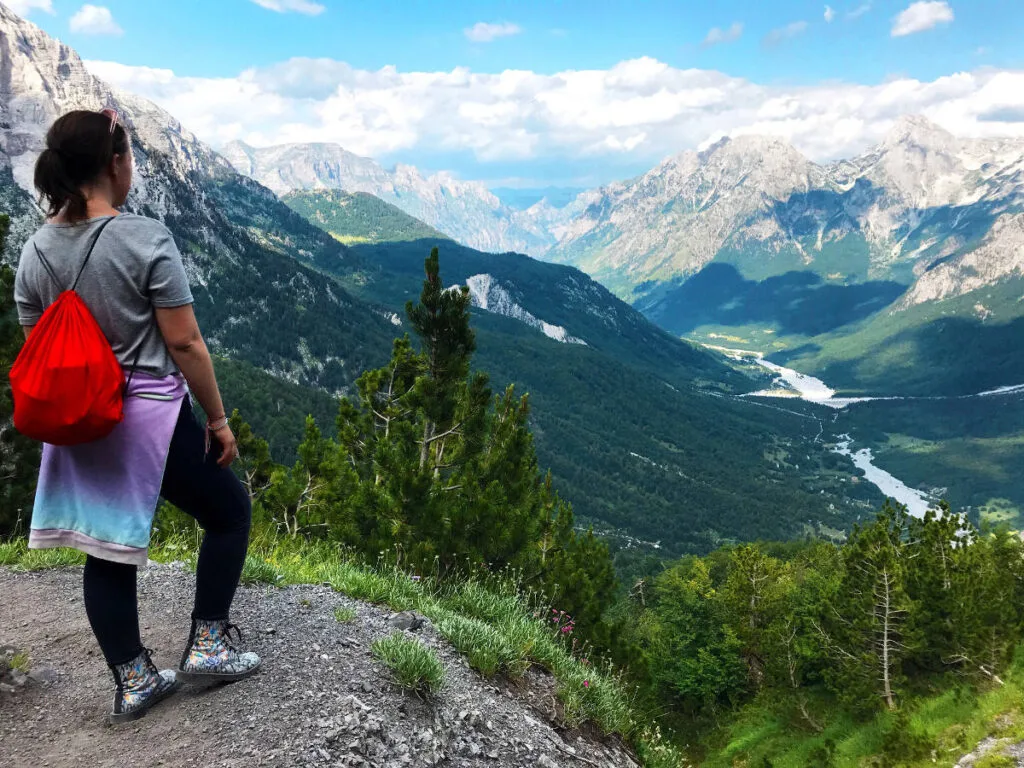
{"x":100,"y":497}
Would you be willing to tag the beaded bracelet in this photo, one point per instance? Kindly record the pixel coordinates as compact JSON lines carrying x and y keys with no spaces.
{"x":220,"y":423}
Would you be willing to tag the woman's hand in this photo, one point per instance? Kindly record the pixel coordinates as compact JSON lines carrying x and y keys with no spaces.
{"x":228,"y":444}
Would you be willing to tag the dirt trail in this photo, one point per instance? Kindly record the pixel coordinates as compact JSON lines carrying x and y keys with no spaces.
{"x":321,"y":699}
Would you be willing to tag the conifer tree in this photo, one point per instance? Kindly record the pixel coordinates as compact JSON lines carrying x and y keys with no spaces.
{"x":253,"y":465}
{"x":755,"y":593}
{"x":940,"y":548}
{"x":868,"y":638}
{"x":441,"y":320}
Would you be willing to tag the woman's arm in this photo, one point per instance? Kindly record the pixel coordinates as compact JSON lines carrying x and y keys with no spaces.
{"x":184,"y":341}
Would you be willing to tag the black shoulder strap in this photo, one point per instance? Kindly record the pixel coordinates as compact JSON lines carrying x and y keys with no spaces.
{"x":89,"y":252}
{"x":49,"y":269}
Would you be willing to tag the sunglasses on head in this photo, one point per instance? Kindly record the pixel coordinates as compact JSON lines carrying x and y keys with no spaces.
{"x":114,"y":116}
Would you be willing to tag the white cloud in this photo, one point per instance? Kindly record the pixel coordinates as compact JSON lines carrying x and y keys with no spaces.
{"x":787,"y":32}
{"x":25,"y":7}
{"x":829,"y":14}
{"x":859,"y":11}
{"x":482,"y":32}
{"x":289,"y":6}
{"x":641,"y":110}
{"x":921,"y":16}
{"x":95,"y":20}
{"x":716,"y":35}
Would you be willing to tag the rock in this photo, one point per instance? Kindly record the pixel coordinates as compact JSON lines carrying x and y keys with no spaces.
{"x":409,"y":621}
{"x":44,"y":675}
{"x":544,"y":761}
{"x":18,"y":678}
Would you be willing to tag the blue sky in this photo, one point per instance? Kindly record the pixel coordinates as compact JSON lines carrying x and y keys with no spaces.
{"x":770,"y":65}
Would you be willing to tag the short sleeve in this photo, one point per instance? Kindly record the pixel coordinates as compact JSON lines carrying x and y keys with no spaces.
{"x":29,"y":303}
{"x":168,"y":283}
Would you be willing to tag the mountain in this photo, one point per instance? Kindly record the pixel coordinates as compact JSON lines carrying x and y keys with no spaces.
{"x":677,"y":217}
{"x":923,"y":210}
{"x":357,"y":217}
{"x":464,"y":210}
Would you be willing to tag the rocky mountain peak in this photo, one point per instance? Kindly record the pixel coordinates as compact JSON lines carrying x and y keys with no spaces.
{"x":919,"y":131}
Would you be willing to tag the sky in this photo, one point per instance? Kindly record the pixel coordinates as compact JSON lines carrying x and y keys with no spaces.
{"x":563,"y":93}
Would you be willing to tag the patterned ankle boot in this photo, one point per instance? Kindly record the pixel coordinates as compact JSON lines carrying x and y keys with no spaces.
{"x":140,"y":685}
{"x":210,"y":653}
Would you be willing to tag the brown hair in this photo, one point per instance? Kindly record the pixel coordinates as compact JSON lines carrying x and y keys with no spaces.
{"x":79,"y":147}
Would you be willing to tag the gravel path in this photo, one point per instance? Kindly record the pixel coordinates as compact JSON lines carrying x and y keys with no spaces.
{"x":320,"y":700}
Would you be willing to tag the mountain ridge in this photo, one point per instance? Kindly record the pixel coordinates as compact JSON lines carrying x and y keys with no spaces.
{"x":464,"y":210}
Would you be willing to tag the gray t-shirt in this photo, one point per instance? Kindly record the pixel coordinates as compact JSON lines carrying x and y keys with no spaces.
{"x":134,"y":267}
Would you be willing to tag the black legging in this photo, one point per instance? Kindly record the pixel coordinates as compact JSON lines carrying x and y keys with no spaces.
{"x":219,"y":503}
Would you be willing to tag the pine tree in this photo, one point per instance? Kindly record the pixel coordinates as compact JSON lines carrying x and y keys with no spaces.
{"x":441,"y":320}
{"x":940,"y":574}
{"x":868,"y":638}
{"x":755,"y":593}
{"x":253,"y":466}
{"x":991,"y":611}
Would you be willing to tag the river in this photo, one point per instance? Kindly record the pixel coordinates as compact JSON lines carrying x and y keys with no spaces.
{"x":793,"y":384}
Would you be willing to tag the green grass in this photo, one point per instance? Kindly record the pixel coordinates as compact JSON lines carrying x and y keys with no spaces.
{"x":11,"y":552}
{"x":414,"y":666}
{"x":44,"y":559}
{"x":344,"y":615}
{"x":949,"y":724}
{"x":258,"y":571}
{"x":21,"y":662}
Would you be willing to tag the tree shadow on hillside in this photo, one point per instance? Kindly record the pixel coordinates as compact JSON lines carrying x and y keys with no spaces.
{"x":796,"y":302}
{"x":949,"y":356}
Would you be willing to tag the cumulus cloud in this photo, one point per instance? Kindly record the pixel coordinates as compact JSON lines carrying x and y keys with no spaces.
{"x":716,"y":35}
{"x":482,"y":32}
{"x":292,"y":6}
{"x":859,"y":11}
{"x":780,"y":35}
{"x":641,"y":110}
{"x":95,"y":20}
{"x":829,"y":14}
{"x":921,"y":16}
{"x":25,"y":7}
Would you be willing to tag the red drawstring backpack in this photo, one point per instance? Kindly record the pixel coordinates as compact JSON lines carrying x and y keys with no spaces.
{"x":67,"y":386}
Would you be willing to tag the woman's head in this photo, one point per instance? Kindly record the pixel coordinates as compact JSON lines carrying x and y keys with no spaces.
{"x":84,"y":159}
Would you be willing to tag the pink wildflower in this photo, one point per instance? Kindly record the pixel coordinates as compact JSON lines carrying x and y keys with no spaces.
{"x":586,"y":683}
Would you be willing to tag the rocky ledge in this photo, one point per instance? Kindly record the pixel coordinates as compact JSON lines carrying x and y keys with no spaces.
{"x":321,"y":698}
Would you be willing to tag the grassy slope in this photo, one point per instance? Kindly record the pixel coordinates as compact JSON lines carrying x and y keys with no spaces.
{"x":948,"y":724}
